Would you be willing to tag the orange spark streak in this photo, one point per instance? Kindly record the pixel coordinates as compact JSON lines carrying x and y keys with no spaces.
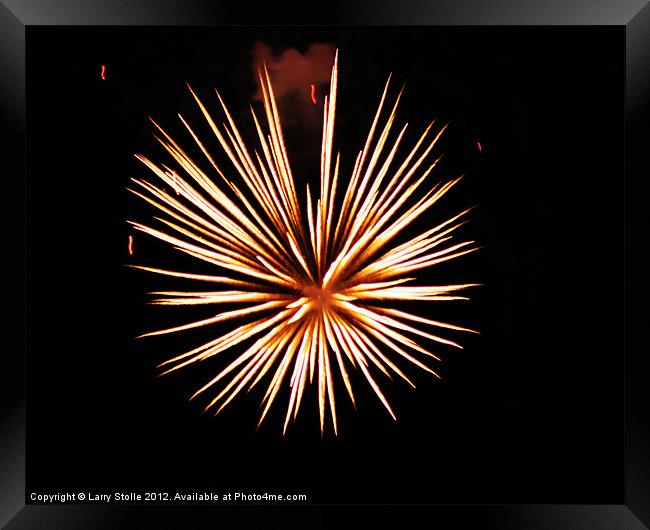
{"x":173,"y":175}
{"x":130,"y":245}
{"x":103,"y":72}
{"x":480,"y":147}
{"x":313,"y":93}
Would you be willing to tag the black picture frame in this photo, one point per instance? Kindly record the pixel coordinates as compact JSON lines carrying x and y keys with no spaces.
{"x":634,"y":16}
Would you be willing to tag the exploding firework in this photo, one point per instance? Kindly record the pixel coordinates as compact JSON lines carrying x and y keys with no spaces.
{"x":316,"y":281}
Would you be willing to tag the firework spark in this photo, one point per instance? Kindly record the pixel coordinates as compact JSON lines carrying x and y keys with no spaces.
{"x":315,"y":281}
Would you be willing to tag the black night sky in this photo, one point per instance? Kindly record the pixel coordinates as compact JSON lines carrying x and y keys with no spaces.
{"x":528,"y":412}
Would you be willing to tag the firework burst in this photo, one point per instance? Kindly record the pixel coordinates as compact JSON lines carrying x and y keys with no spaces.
{"x":310,"y":277}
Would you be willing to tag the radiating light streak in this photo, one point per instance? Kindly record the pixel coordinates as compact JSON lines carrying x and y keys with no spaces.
{"x":173,"y":176}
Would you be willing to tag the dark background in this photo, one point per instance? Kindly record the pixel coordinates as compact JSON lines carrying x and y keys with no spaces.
{"x":528,"y":412}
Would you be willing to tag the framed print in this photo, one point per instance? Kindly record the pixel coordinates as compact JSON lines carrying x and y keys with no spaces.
{"x":383,"y":259}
